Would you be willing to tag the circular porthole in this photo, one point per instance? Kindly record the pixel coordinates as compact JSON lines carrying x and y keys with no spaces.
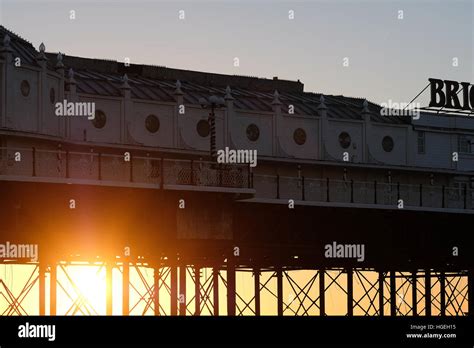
{"x":52,"y":95}
{"x":99,"y":120}
{"x":299,"y":136}
{"x":344,"y":140}
{"x":387,"y":144}
{"x":152,"y":123}
{"x":253,"y":133}
{"x":25,"y":88}
{"x":203,"y":128}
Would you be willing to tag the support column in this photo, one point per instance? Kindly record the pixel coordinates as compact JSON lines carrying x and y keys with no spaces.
{"x":381,"y":293}
{"x":442,"y":286}
{"x":279,"y":275}
{"x":427,"y":293}
{"x":197,"y":290}
{"x":53,"y":289}
{"x":470,"y":292}
{"x":215,"y":290}
{"x":174,"y":289}
{"x":230,"y":287}
{"x":414,"y":294}
{"x":156,"y":290}
{"x":350,"y":293}
{"x":42,"y":288}
{"x":393,"y":294}
{"x":256,"y":275}
{"x":322,"y":293}
{"x":182,"y":290}
{"x":126,"y":287}
{"x":108,"y":288}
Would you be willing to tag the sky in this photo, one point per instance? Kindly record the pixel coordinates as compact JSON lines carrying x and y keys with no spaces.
{"x":390,"y":58}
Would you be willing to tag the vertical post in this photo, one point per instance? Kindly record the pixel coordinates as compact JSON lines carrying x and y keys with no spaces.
{"x":215,"y":289}
{"x":249,"y":184}
{"x":278,"y":186}
{"x":126,"y":287}
{"x":421,"y":195}
{"x":427,"y":293}
{"x":322,"y":293}
{"x":174,"y":289}
{"x":156,"y":290}
{"x":381,"y":293}
{"x":442,"y":285}
{"x":34,"y":161}
{"x":42,"y":288}
{"x":197,"y":290}
{"x":470,"y":292}
{"x":53,"y":289}
{"x":375,"y":191}
{"x":393,"y":294}
{"x":108,"y":288}
{"x":230,"y":287}
{"x":350,"y":292}
{"x":414,"y":293}
{"x":327,"y":189}
{"x":192,"y":172}
{"x":279,"y":276}
{"x":182,"y":290}
{"x":302,"y":189}
{"x":256,"y":287}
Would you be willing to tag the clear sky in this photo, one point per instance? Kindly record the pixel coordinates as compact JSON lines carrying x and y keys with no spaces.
{"x":389,"y":58}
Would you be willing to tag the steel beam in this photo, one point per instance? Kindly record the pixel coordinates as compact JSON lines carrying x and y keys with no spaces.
{"x":230,"y":287}
{"x":256,"y":274}
{"x":393,"y":294}
{"x":108,"y":288}
{"x":414,"y":294}
{"x":442,"y":284}
{"x":156,"y":290}
{"x":350,"y":292}
{"x":182,"y":290}
{"x":42,"y":288}
{"x":381,"y":293}
{"x":197,"y":290}
{"x":427,"y":293}
{"x":174,"y":289}
{"x":215,"y":289}
{"x":470,"y":292}
{"x":53,"y":289}
{"x":126,"y":287}
{"x":322,"y":293}
{"x":279,"y":276}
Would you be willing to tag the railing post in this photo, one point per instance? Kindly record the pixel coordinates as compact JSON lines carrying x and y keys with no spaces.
{"x":352,"y":190}
{"x":302,"y":189}
{"x":375,"y":191}
{"x":34,"y":161}
{"x":278,"y":186}
{"x":192,"y":172}
{"x":100,"y":165}
{"x":443,"y":196}
{"x":421,"y":195}
{"x":67,"y":164}
{"x":327,"y":189}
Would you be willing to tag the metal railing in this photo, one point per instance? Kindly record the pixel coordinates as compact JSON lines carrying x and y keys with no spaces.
{"x":117,"y":168}
{"x":350,"y":191}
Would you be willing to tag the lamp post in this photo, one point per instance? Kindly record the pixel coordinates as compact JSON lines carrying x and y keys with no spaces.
{"x":212,"y":103}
